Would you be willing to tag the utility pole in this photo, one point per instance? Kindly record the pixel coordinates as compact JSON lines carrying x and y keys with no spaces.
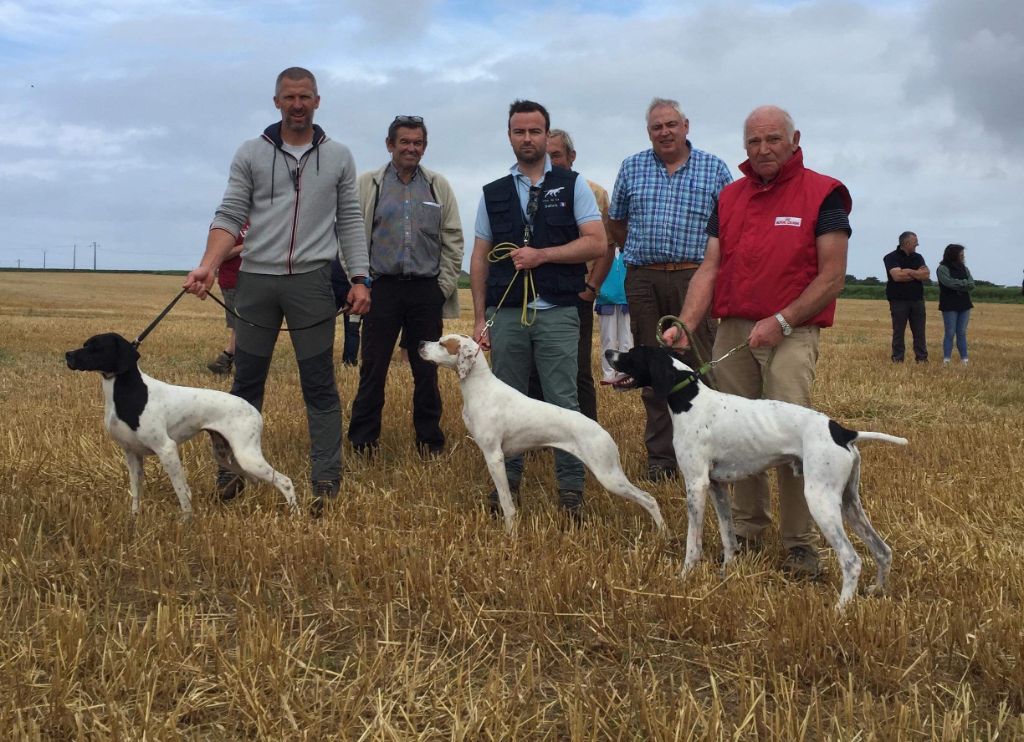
{"x":19,"y":264}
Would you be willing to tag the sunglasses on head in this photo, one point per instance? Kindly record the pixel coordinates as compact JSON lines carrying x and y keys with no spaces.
{"x":408,"y":120}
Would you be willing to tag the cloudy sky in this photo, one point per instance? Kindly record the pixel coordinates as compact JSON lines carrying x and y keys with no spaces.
{"x":123,"y":115}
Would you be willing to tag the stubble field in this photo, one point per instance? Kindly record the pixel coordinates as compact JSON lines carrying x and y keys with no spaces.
{"x":407,"y":613}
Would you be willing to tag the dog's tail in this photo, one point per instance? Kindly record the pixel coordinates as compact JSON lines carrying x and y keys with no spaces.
{"x":867,"y":435}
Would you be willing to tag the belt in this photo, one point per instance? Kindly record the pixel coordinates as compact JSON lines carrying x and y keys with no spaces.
{"x":403,"y":277}
{"x":671,"y":266}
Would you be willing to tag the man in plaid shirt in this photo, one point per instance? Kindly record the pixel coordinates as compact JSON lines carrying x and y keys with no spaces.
{"x":660,"y":206}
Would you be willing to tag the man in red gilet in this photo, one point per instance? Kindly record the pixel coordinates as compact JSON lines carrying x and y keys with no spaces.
{"x":774,"y":264}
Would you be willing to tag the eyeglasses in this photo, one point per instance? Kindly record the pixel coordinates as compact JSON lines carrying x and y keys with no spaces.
{"x":408,"y":120}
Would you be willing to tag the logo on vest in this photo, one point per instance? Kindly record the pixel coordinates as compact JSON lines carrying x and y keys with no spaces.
{"x":787,"y":221}
{"x":553,"y":192}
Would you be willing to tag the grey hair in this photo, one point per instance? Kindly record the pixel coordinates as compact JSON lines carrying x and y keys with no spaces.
{"x":664,"y":103}
{"x":787,"y":121}
{"x":565,"y":138}
{"x":904,"y":236}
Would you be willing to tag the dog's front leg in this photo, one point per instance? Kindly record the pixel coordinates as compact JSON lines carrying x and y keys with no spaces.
{"x":168,"y":454}
{"x":720,"y":499}
{"x":696,"y":499}
{"x":136,"y":478}
{"x":496,"y":466}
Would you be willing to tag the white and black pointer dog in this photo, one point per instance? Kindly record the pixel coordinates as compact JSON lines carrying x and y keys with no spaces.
{"x":505,"y":422}
{"x":720,"y":438}
{"x":148,"y":417}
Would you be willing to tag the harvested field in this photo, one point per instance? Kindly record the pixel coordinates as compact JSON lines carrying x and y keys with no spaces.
{"x":407,"y":613}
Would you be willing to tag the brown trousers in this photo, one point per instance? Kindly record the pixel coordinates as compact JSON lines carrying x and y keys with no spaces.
{"x":652,"y":294}
{"x":786,"y":374}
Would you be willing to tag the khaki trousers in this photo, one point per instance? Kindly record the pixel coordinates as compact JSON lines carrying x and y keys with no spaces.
{"x":786,"y":373}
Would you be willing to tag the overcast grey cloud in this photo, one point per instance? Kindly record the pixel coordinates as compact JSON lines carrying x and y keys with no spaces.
{"x":122,"y":117}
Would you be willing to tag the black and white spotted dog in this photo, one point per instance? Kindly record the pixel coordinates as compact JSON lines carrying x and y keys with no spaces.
{"x":720,"y":438}
{"x":148,"y":417}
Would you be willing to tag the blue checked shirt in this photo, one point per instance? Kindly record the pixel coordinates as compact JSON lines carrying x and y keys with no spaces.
{"x":667,"y":214}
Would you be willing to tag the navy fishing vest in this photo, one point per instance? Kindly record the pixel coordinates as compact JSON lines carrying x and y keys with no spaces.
{"x":553,"y":225}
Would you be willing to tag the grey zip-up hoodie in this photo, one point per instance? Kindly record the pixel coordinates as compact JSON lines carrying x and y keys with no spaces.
{"x":299,"y":211}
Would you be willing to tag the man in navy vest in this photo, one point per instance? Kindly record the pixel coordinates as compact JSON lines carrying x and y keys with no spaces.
{"x":550,"y":220}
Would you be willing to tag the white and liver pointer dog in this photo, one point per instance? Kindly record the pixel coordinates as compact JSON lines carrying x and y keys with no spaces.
{"x":146,"y":417}
{"x":505,"y":422}
{"x":721,"y":438}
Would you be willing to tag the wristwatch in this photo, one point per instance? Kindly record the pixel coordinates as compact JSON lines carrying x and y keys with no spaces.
{"x":362,"y":280}
{"x":787,"y":329}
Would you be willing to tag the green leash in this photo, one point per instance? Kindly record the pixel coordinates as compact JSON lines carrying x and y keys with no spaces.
{"x":705,"y":366}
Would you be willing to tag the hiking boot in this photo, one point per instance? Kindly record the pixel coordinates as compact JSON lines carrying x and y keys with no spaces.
{"x":221,"y":365}
{"x":324,"y":491}
{"x":802,"y":563}
{"x":494,"y":504}
{"x":570,"y":502}
{"x":661,"y":473}
{"x":744,"y":546}
{"x":229,"y":484}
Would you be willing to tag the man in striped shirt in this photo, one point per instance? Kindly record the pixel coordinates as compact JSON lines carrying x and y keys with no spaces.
{"x":660,"y":206}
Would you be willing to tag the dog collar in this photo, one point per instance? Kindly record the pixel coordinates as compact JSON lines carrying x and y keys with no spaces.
{"x":690,"y":379}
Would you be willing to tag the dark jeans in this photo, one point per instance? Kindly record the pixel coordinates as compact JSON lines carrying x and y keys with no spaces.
{"x":652,"y":294}
{"x":904,"y":311}
{"x":413,"y":308}
{"x":585,"y":391}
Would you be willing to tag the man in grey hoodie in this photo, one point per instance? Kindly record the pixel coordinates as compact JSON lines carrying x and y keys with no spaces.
{"x":297,"y":190}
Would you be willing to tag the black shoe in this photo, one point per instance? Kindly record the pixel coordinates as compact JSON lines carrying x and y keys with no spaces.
{"x":570,"y":502}
{"x":428,"y":451}
{"x":368,"y":451}
{"x":324,"y":491}
{"x":494,"y":504}
{"x":802,"y":563}
{"x":229,"y":484}
{"x":661,"y":473}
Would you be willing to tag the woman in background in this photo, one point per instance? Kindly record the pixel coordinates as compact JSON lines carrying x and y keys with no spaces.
{"x":955,"y":287}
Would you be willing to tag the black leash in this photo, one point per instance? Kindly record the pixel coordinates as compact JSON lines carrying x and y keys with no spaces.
{"x":142,"y":336}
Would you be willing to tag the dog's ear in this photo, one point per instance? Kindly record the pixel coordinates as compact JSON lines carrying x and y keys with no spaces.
{"x":127,"y":355}
{"x":466,"y":358}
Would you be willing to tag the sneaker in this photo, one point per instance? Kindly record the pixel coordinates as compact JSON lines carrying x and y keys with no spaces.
{"x":221,"y":365}
{"x":945,"y":361}
{"x":963,"y":361}
{"x":570,"y":502}
{"x":323,"y":492}
{"x":229,"y":484}
{"x":494,"y":504}
{"x":661,"y":472}
{"x":802,"y":563}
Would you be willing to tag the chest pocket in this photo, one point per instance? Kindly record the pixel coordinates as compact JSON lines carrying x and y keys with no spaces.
{"x":428,"y":218}
{"x":499,"y":211}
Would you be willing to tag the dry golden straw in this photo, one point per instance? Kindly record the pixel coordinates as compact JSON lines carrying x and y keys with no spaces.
{"x":407,"y":613}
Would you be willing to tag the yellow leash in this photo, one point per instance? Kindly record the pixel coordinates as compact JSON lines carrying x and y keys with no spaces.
{"x":503,"y":251}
